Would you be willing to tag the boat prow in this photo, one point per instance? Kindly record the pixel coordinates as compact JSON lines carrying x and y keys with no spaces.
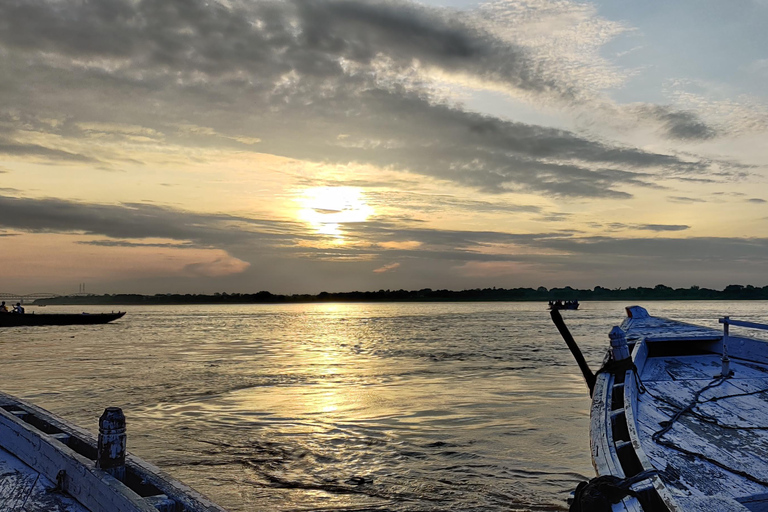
{"x":681,"y":424}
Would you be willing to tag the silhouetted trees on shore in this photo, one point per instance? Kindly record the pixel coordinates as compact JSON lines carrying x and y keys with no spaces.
{"x":659,"y":292}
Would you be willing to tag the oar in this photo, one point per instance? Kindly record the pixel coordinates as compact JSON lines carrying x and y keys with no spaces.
{"x":566,"y":334}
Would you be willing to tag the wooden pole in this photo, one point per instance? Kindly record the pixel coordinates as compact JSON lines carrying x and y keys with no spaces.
{"x":589,"y":377}
{"x":112,"y":442}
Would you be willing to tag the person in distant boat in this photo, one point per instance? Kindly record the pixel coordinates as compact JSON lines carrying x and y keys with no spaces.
{"x":18,"y":308}
{"x":3,"y":308}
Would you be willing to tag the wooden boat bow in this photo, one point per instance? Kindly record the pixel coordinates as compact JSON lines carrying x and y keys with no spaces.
{"x":685,"y":422}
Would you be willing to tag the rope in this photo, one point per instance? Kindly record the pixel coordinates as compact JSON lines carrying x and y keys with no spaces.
{"x":618,"y":367}
{"x":669,"y":424}
{"x":746,"y":393}
{"x":600,"y":493}
{"x":689,"y":409}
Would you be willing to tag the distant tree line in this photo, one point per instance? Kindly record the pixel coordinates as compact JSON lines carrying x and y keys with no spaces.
{"x":659,"y":292}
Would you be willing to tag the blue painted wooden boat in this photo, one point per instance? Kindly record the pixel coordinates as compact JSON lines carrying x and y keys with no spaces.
{"x":679,"y":418}
{"x":49,"y":465}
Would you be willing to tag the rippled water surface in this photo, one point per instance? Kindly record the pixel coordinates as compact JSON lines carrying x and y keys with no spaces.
{"x":402,"y":407}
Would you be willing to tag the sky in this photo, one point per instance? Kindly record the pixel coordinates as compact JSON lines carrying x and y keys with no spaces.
{"x":300,"y":146}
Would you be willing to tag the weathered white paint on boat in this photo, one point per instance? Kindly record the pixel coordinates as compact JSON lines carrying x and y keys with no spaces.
{"x":49,"y":465}
{"x":713,"y":458}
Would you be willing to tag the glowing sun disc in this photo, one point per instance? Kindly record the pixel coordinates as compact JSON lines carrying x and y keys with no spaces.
{"x":327,"y":208}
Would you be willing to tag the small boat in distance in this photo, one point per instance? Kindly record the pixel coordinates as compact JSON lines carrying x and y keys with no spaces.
{"x":47,"y":464}
{"x":28,"y":319}
{"x":679,"y":419}
{"x":559,"y":304}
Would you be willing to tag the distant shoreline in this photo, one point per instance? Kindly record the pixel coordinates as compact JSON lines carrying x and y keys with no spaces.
{"x":541,"y":294}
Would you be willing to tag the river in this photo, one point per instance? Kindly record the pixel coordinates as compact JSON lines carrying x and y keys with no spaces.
{"x":341,"y":407}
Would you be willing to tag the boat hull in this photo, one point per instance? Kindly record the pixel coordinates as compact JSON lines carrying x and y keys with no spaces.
{"x":32,"y":319}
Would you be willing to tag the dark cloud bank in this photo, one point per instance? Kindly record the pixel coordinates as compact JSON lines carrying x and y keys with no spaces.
{"x":322,"y":80}
{"x":272,"y":244}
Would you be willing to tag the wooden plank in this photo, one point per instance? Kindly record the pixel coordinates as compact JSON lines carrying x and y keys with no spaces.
{"x":16,"y":481}
{"x":739,"y":411}
{"x":749,"y":447}
{"x":44,"y":499}
{"x":748,"y":349}
{"x":745,"y":449}
{"x":696,"y":473}
{"x":711,"y":504}
{"x":699,"y":367}
{"x":683,"y":475}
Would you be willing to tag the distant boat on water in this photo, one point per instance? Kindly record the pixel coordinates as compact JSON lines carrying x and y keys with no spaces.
{"x":559,"y":304}
{"x":29,"y":319}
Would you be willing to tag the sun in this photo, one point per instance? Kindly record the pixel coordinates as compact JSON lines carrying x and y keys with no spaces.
{"x":327,"y":208}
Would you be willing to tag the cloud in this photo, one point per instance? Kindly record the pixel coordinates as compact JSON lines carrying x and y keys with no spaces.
{"x":311,"y":37}
{"x":301,"y":71}
{"x":663,"y":227}
{"x":409,"y":244}
{"x":756,"y":200}
{"x":492,"y":269}
{"x":124,"y":243}
{"x":620,"y":226}
{"x":565,"y":38}
{"x":35,"y":269}
{"x":683,"y":199}
{"x":678,"y":124}
{"x":742,"y":115}
{"x":386,"y":268}
{"x":140,"y":221}
{"x":696,"y":249}
{"x":217,"y":267}
{"x":11,"y":148}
